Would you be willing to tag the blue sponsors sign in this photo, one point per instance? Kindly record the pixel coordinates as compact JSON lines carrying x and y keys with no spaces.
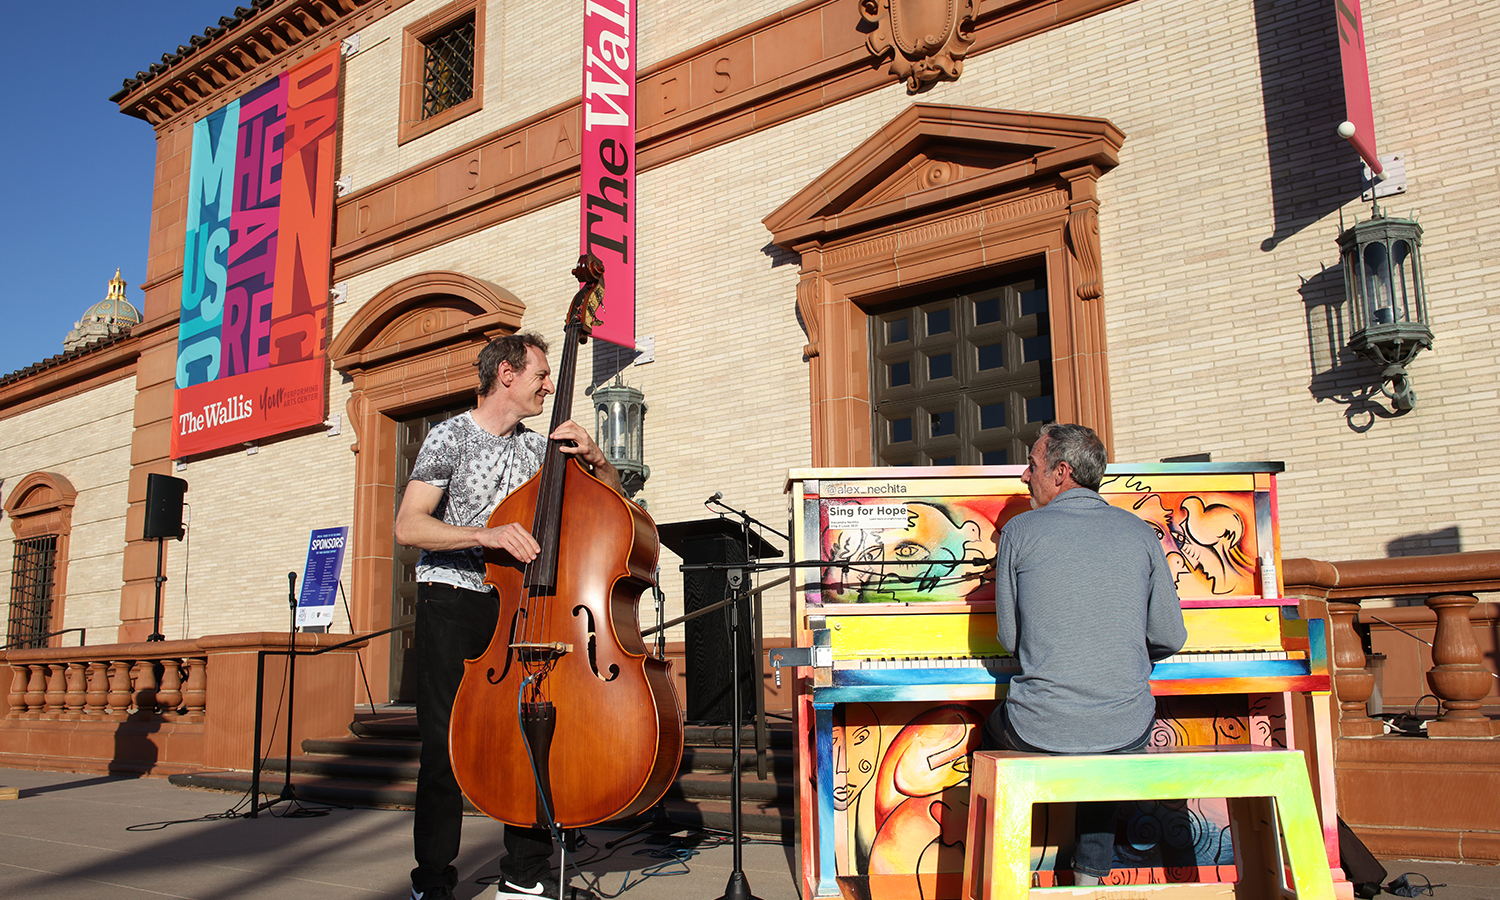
{"x":320,"y":580}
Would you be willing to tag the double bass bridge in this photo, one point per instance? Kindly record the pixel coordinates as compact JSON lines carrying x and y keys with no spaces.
{"x":541,"y":651}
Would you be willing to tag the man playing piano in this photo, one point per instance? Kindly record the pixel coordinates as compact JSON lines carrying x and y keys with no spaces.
{"x":1084,"y":601}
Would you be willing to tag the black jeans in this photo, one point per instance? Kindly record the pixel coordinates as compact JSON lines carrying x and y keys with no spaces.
{"x":1094,"y":853}
{"x":454,"y":624}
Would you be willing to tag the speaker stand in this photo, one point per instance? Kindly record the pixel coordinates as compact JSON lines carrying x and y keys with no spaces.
{"x":161,"y":579}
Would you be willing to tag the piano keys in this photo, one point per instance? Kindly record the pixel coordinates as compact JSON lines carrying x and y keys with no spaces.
{"x":901,"y":611}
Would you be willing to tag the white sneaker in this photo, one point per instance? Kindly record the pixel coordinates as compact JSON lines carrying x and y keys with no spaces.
{"x":546,"y":889}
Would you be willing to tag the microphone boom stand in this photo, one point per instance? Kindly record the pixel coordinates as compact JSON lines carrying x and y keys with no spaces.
{"x":738,"y":886}
{"x":288,"y":795}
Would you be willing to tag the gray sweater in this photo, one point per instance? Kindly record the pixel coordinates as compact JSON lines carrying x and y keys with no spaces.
{"x":1085,"y":602}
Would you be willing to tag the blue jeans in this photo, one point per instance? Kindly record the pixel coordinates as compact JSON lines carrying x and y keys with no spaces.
{"x":454,"y":624}
{"x":1095,"y":822}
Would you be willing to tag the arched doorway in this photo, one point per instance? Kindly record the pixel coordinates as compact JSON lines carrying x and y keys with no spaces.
{"x":410,"y":353}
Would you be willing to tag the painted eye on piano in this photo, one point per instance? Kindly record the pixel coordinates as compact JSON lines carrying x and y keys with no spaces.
{"x":908,"y":550}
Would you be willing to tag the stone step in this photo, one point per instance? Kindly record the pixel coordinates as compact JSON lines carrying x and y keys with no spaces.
{"x":769,"y":816}
{"x":309,"y":788}
{"x":363,"y":748}
{"x":377,"y":766}
{"x":755,"y":820}
{"x":720,"y":759}
{"x":717,"y":786}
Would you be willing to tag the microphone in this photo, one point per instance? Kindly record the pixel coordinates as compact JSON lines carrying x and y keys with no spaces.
{"x":718,"y":495}
{"x":291,"y":589}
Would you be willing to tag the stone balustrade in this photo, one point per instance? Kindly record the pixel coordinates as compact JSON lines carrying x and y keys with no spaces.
{"x":1457,"y":675}
{"x":168,"y":706}
{"x":165,"y":681}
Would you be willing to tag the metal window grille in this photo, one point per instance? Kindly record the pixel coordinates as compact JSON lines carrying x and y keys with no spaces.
{"x":962,"y":377}
{"x":32,"y":578}
{"x":448,"y":70}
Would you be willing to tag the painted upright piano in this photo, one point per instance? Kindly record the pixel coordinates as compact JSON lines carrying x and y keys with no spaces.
{"x":897,"y":665}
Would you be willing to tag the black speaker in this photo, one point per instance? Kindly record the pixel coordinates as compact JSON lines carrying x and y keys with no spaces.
{"x":710,"y":665}
{"x":164,"y":506}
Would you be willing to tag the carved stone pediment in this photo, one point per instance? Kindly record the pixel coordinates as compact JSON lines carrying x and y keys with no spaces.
{"x":938,"y":167}
{"x":933,"y":158}
{"x":925,"y":40}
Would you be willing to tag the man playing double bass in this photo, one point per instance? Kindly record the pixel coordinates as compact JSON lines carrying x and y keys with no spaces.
{"x":466,"y":466}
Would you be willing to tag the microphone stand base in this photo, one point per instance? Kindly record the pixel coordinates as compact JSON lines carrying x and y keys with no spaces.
{"x":738,"y":888}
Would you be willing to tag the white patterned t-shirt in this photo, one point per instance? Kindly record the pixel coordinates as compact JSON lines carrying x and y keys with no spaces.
{"x":476,"y":470}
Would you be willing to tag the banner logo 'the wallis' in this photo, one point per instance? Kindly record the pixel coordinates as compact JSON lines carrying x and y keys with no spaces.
{"x":232,"y":409}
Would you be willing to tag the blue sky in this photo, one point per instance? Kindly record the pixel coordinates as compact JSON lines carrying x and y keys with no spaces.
{"x":76,"y":196}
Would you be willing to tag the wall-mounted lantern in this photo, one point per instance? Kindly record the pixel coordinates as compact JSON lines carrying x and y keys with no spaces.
{"x":1382,"y":259}
{"x":619,"y":416}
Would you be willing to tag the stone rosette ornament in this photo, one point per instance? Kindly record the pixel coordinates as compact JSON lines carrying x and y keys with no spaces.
{"x":926,"y":40}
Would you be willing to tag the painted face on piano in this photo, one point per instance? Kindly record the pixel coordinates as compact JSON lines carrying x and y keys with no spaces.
{"x":910,"y":564}
{"x":855,"y":749}
{"x":1205,"y":542}
{"x":1211,"y":544}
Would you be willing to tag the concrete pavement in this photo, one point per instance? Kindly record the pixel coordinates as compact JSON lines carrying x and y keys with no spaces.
{"x":82,"y":837}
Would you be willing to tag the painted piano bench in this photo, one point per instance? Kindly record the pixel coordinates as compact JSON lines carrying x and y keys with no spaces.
{"x":1263,"y":786}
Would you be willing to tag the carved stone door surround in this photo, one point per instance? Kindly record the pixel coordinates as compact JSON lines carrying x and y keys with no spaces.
{"x":934,"y":199}
{"x":412,"y":346}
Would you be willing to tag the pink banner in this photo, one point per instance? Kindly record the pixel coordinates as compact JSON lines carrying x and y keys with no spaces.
{"x":607,"y":214}
{"x":1359,"y":123}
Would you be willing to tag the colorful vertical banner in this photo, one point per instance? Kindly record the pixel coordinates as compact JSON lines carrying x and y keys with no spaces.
{"x":607,"y":218}
{"x":252,"y":334}
{"x":1359,"y":114}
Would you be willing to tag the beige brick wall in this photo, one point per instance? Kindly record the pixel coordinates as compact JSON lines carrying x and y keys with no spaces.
{"x":248,"y":526}
{"x":86,"y":439}
{"x":533,"y":62}
{"x":1212,"y":345}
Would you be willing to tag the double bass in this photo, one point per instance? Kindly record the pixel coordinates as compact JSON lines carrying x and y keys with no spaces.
{"x":566,"y":720}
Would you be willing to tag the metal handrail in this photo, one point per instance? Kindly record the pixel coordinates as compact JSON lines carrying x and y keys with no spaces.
{"x":82,"y":639}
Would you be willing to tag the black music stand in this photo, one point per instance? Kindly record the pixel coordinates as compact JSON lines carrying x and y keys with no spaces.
{"x":722,"y":543}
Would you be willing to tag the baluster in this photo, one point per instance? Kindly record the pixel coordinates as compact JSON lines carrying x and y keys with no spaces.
{"x":1352,"y":682}
{"x":119,"y":689}
{"x":75,"y":694}
{"x":145,"y":689}
{"x":57,"y":691}
{"x":169,"y":695}
{"x":1456,"y":677}
{"x":19,"y":676}
{"x":97,"y":696}
{"x":195,"y":692}
{"x":36,"y":691}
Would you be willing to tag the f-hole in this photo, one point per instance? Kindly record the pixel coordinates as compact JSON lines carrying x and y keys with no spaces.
{"x":614,"y":670}
{"x":510,"y":650}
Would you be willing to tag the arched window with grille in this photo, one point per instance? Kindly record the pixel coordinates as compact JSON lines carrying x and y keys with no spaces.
{"x":40,"y":509}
